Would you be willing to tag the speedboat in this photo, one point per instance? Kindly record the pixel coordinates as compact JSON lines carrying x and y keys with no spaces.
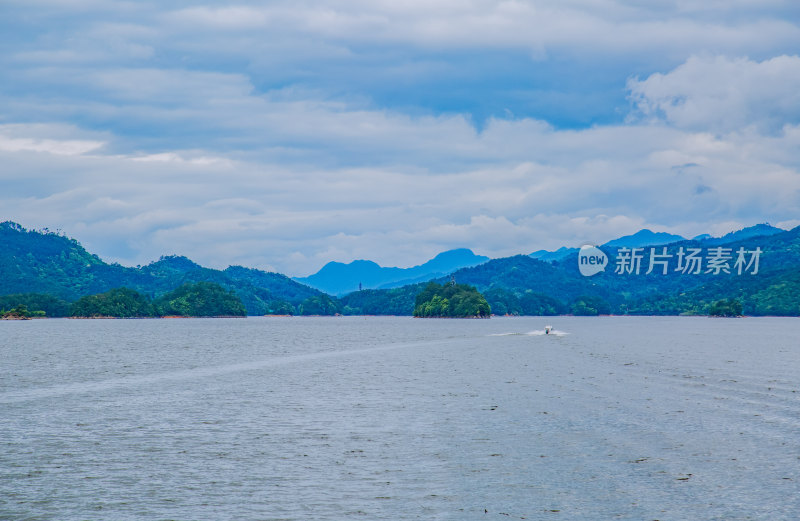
{"x":547,"y":329}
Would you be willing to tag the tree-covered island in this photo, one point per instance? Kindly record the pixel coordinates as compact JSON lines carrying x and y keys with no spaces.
{"x":201,"y":299}
{"x":20,"y":312}
{"x":451,"y":301}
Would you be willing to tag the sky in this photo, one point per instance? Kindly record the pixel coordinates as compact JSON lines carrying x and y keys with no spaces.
{"x":283,"y":135}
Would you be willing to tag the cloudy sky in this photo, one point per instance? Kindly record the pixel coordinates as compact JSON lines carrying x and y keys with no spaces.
{"x":285,"y":134}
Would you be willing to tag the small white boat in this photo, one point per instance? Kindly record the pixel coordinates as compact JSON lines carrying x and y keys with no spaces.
{"x":547,"y":329}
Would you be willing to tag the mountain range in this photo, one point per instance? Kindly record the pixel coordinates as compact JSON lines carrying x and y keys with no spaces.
{"x":48,"y":263}
{"x":645,"y":237}
{"x":54,"y":270}
{"x":336,"y":278}
{"x":527,"y":286}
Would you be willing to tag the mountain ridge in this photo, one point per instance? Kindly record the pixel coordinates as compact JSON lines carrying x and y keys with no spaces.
{"x":646,"y":237}
{"x":38,"y":264}
{"x":338,"y":278}
{"x":43,"y":262}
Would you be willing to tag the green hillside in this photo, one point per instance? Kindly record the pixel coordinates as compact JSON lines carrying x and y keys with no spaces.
{"x":522,"y":285}
{"x":45,"y":271}
{"x":450,"y":301}
{"x":45,"y":263}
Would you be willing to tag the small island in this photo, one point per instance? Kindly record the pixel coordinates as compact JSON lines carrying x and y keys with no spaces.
{"x":451,"y":301}
{"x":19,"y":312}
{"x":725,"y":308}
{"x":201,"y":299}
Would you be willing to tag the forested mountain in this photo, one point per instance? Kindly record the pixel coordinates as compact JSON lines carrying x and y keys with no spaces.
{"x":759,"y":230}
{"x":645,"y":238}
{"x":757,"y":268}
{"x":45,"y":262}
{"x":772,"y":288}
{"x":48,"y":263}
{"x":641,"y":238}
{"x":526,"y":286}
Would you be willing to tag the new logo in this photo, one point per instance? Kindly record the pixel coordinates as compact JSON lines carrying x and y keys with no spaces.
{"x":591,"y":260}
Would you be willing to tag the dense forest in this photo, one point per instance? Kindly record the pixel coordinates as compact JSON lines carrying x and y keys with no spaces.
{"x":201,"y":299}
{"x":522,"y":285}
{"x":450,"y":301}
{"x":45,"y":273}
{"x":37,"y":265}
{"x":118,"y":302}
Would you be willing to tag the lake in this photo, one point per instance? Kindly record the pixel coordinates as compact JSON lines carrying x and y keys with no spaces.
{"x":389,"y":418}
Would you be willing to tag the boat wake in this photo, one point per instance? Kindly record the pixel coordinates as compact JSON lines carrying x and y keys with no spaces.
{"x":542,"y":332}
{"x":537,"y":332}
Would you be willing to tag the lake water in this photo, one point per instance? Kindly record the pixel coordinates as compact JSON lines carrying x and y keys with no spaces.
{"x":395,"y":418}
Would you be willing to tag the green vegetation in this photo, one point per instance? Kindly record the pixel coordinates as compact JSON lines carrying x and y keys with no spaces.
{"x":505,"y":301}
{"x":522,"y":285}
{"x":726,"y":308}
{"x":19,"y":313}
{"x":266,"y":293}
{"x":778,"y":296}
{"x":45,"y":273}
{"x":319,"y":305}
{"x":281,"y":307}
{"x":39,"y":304}
{"x":50,"y":265}
{"x":202,"y":299}
{"x":452,"y":301}
{"x":590,"y":306}
{"x":118,"y":302}
{"x":395,"y":301}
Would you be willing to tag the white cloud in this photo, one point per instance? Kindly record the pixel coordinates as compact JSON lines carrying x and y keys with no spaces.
{"x":63,"y":148}
{"x":226,"y":18}
{"x":23,"y":138}
{"x":290,"y":134}
{"x":578,"y":26}
{"x":723,"y":94}
{"x":541,"y":188}
{"x":788,"y":225}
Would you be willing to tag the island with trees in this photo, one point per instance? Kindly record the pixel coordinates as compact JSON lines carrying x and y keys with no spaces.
{"x":451,"y":301}
{"x":201,"y":299}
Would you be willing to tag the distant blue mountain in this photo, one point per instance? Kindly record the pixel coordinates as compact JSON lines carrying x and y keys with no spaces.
{"x":337,"y":278}
{"x":759,"y":230}
{"x":549,"y":256}
{"x":644,"y":238}
{"x":637,"y":240}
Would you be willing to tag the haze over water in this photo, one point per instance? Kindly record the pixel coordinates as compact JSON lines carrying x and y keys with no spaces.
{"x":395,"y":418}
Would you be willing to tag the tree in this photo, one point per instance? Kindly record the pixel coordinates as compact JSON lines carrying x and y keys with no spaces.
{"x":280,"y":307}
{"x":39,"y":304}
{"x":19,"y":313}
{"x":201,"y":299}
{"x":590,"y":306}
{"x":319,"y":305}
{"x":450,"y":300}
{"x":725,"y":308}
{"x":118,"y":302}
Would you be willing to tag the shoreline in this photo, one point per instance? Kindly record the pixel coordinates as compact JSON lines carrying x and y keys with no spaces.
{"x":16,"y":318}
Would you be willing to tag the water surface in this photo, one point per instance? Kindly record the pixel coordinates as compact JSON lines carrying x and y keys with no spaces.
{"x":396,"y":418}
